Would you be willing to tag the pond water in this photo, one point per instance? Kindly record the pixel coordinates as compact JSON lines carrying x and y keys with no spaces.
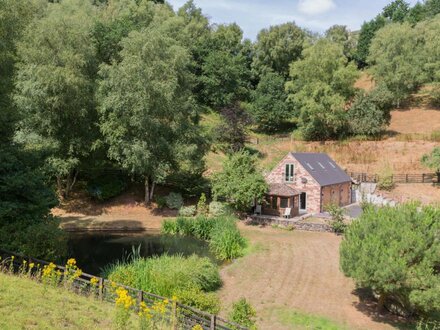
{"x":93,"y":251}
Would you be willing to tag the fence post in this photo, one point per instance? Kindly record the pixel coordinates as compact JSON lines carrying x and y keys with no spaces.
{"x":213,"y":322}
{"x":101,"y":288}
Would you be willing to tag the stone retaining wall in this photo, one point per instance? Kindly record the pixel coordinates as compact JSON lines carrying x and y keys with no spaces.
{"x":297,"y":225}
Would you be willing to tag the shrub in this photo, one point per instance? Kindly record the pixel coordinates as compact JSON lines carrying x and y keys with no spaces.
{"x":203,"y":226}
{"x":386,"y":181}
{"x":171,"y":275}
{"x":174,"y":201}
{"x":106,"y":187}
{"x":337,"y":214}
{"x":169,"y":227}
{"x":187,"y":211}
{"x":217,"y":209}
{"x":243,"y":313}
{"x":184,"y":226}
{"x":394,"y":252}
{"x":202,"y":208}
{"x":226,"y":241}
{"x":205,"y":301}
{"x":161,"y":202}
{"x":435,"y":95}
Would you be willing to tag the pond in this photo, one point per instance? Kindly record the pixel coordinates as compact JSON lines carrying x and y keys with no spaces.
{"x":93,"y":251}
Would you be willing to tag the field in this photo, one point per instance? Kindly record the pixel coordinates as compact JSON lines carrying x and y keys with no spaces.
{"x":294,"y":282}
{"x":24,"y":304}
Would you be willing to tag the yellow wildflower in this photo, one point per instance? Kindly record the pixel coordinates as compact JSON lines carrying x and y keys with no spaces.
{"x":31,"y":265}
{"x":197,"y":327}
{"x":94,"y":281}
{"x":71,"y":262}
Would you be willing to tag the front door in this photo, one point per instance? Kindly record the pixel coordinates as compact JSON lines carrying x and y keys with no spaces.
{"x":303,"y":202}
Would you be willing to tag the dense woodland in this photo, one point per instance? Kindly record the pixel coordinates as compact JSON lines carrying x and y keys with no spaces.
{"x":88,"y":87}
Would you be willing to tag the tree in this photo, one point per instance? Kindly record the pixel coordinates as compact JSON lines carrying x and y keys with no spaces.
{"x":366,"y":35}
{"x":55,"y":86}
{"x":396,"y":11}
{"x":395,"y":251}
{"x":394,"y":61}
{"x":277,"y":47}
{"x":240,"y":182}
{"x":369,"y":113}
{"x":339,"y":34}
{"x":231,"y":133}
{"x":147,"y":114}
{"x":269,"y":107}
{"x":225,"y":74}
{"x":320,"y":85}
{"x":15,"y":16}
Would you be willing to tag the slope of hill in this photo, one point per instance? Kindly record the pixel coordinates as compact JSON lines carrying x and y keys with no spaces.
{"x":25,"y":304}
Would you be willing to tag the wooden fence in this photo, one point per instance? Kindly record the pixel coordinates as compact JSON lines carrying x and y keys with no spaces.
{"x":397,"y":178}
{"x":186,"y":317}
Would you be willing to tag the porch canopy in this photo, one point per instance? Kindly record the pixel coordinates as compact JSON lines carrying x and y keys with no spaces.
{"x":281,"y":197}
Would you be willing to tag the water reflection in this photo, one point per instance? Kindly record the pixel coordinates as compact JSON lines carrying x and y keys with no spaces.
{"x":93,"y":251}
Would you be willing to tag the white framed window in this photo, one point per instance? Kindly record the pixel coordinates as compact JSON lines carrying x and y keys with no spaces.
{"x":290,"y":173}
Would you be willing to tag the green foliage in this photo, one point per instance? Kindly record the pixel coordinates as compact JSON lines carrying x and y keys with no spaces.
{"x":174,"y":200}
{"x":341,"y":35}
{"x":277,"y":47}
{"x":396,"y":11}
{"x":366,"y":35}
{"x":395,"y":251}
{"x":151,"y":129}
{"x":187,"y":211}
{"x":226,"y":241}
{"x":243,"y":313}
{"x":369,"y":114}
{"x":26,"y":225}
{"x":224,"y":238}
{"x":269,"y":107}
{"x":105,"y":187}
{"x":386,"y":181}
{"x":240,"y":182}
{"x":217,"y":209}
{"x":202,"y":207}
{"x":55,"y":85}
{"x":190,"y":279}
{"x":337,"y":214}
{"x":434,"y":94}
{"x":160,"y":201}
{"x":394,"y":61}
{"x":432,"y":160}
{"x":321,"y":84}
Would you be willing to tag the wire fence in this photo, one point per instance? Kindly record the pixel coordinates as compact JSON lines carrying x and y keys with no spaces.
{"x":180,"y":316}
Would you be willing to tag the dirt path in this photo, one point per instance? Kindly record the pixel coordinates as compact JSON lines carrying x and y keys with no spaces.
{"x":295,"y":270}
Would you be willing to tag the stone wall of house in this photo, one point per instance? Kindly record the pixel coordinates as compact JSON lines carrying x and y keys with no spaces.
{"x":303,"y":181}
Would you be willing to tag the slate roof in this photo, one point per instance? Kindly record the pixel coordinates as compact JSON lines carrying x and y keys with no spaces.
{"x":322,"y":168}
{"x":283,"y":190}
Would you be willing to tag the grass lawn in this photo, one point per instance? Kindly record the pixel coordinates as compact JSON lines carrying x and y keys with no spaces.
{"x":298,"y":320}
{"x":26,"y":304}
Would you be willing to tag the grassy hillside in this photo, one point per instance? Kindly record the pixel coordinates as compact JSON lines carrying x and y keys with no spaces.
{"x":25,"y":304}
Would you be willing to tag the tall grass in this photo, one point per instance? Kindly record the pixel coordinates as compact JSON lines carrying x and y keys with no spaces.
{"x":224,"y":238}
{"x":191,"y":279}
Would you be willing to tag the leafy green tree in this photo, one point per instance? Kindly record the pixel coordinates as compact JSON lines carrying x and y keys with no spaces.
{"x":366,"y":35}
{"x":147,"y":113}
{"x":55,"y":86}
{"x":225,"y":73}
{"x":341,"y":35}
{"x":240,"y":182}
{"x":277,"y":47}
{"x":395,"y":251}
{"x":394,"y":61}
{"x":369,"y":113}
{"x":396,"y":11}
{"x":320,"y":85}
{"x":427,"y":33}
{"x":231,"y":134}
{"x":15,"y":16}
{"x":417,"y":13}
{"x":269,"y":107}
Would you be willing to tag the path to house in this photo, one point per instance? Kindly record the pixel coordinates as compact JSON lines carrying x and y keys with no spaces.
{"x":295,"y":270}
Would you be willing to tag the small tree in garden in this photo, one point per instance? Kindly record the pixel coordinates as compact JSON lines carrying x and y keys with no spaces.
{"x":432,"y":161}
{"x":395,"y":251}
{"x":337,"y":214}
{"x":202,"y":207}
{"x":240,"y":182}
